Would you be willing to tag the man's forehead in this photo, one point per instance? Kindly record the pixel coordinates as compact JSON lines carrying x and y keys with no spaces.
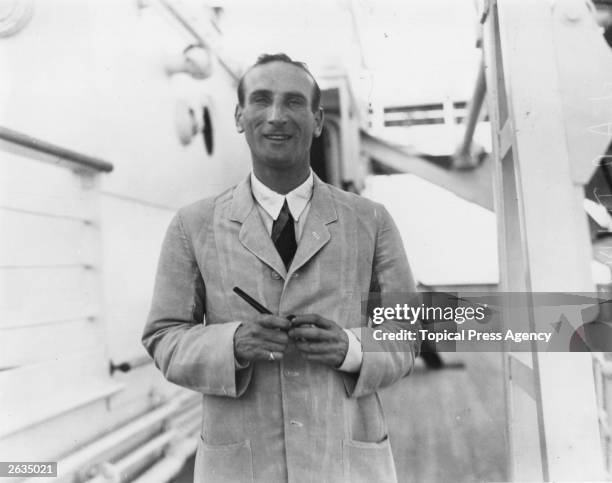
{"x":278,"y":77}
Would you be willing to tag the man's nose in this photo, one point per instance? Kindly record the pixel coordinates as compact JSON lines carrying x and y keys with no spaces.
{"x":276,"y":113}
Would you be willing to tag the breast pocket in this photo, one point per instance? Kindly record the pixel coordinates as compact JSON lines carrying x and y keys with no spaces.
{"x":368,"y":462}
{"x":223,"y":463}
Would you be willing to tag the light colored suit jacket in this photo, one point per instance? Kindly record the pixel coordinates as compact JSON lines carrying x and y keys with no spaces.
{"x":291,"y":420}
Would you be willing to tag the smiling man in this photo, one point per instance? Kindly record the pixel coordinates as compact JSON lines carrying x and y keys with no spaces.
{"x":291,"y":395}
{"x":278,"y":111}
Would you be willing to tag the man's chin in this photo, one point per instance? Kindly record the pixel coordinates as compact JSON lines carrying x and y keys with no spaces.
{"x":280,"y":161}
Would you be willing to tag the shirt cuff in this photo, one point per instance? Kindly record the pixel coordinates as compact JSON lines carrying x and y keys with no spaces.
{"x":237,"y":364}
{"x":354,"y":354}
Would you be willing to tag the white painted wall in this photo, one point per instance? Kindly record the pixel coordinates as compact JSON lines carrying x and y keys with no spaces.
{"x":89,"y":76}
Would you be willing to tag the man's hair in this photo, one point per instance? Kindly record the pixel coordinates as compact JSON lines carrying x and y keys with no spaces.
{"x":266,"y":59}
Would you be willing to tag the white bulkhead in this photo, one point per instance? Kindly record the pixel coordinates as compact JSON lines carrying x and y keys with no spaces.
{"x":79,"y":246}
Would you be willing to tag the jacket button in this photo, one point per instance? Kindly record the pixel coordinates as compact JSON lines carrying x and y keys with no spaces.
{"x":275,"y":275}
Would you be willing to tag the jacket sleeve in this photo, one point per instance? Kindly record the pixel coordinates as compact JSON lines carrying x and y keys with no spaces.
{"x":186,"y":350}
{"x":386,"y":361}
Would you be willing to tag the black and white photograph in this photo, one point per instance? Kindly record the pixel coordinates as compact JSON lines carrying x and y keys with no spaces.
{"x":305,"y":241}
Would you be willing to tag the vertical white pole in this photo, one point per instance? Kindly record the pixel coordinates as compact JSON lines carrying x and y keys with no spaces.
{"x":544,"y":242}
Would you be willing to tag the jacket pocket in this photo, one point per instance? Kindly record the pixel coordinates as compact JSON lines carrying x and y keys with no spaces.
{"x":223,"y":463}
{"x":368,"y":462}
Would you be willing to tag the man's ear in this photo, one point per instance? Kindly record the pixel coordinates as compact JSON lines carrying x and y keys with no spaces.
{"x":238,"y":118}
{"x":318,"y":122}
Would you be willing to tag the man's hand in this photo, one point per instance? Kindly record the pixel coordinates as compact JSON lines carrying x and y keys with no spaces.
{"x":319,"y":340}
{"x":256,"y":340}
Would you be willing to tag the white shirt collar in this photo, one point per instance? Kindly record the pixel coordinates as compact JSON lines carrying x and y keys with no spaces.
{"x":272,"y":202}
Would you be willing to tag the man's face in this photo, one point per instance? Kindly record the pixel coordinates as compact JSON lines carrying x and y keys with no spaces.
{"x":277,"y":119}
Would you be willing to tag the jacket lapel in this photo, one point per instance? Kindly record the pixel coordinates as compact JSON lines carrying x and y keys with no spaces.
{"x":253,"y":234}
{"x":315,"y":234}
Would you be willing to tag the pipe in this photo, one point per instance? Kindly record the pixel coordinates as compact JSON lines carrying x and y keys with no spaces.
{"x":79,"y":460}
{"x":114,"y":472}
{"x":463,"y":156}
{"x":118,"y":472}
{"x":171,"y":464}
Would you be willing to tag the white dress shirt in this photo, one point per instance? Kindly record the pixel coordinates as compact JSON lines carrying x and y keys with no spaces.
{"x":270,"y":204}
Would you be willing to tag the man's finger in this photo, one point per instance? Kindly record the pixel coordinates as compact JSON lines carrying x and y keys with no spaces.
{"x":273,"y":322}
{"x":316,"y":347}
{"x":312,"y":319}
{"x":274,"y":335}
{"x":310,"y":333}
{"x":321,"y":358}
{"x":271,"y":347}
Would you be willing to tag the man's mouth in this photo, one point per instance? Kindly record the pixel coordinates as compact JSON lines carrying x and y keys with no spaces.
{"x":277,"y":137}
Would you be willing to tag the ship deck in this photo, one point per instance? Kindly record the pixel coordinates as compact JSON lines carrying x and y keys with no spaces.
{"x":448,"y":425}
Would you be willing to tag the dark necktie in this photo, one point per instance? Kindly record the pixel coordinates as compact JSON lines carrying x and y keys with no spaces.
{"x":283,"y":235}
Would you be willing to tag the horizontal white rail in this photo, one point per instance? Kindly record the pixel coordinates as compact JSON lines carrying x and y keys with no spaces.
{"x":81,"y":459}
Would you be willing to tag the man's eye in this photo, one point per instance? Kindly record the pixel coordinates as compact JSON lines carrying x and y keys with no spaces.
{"x":296,"y":102}
{"x":259,"y":100}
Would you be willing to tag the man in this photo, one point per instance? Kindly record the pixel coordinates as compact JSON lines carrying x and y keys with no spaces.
{"x":284,"y":400}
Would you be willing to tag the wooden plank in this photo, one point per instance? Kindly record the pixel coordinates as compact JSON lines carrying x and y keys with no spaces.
{"x":48,"y":342}
{"x":46,"y":295}
{"x":31,"y":239}
{"x":31,"y":186}
{"x":34,"y":393}
{"x":448,"y":425}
